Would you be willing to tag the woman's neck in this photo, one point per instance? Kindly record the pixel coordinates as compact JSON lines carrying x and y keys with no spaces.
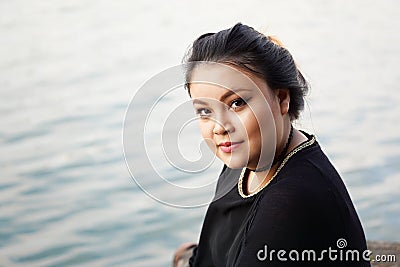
{"x":257,"y":180}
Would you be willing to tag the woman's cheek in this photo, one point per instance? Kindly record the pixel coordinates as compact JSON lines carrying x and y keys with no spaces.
{"x":206,"y":129}
{"x":249,"y":121}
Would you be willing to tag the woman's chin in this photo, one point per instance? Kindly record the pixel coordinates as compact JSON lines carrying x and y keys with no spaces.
{"x":235,"y":164}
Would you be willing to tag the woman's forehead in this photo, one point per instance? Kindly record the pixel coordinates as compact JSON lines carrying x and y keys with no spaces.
{"x":221,"y":74}
{"x":217,"y":78}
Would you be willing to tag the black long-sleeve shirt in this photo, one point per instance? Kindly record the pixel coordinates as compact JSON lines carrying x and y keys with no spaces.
{"x":306,"y":212}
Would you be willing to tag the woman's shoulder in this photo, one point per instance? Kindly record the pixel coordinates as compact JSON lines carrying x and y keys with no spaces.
{"x":308,"y":186}
{"x":310,"y":169}
{"x":307,"y":181}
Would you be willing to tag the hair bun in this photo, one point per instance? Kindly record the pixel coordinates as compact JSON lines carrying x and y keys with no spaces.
{"x":275,"y":40}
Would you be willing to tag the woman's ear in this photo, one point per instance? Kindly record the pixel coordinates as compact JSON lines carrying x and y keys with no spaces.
{"x":283,"y":96}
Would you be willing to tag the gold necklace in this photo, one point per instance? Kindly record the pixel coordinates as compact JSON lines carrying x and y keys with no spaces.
{"x":294,"y":151}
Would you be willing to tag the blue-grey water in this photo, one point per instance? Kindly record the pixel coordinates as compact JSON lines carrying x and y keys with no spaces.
{"x":68,"y":70}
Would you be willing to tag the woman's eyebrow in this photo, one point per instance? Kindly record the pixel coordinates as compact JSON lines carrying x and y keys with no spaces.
{"x":198,"y":101}
{"x":222,"y":98}
{"x":231,"y":92}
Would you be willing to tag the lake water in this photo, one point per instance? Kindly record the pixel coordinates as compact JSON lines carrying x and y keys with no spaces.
{"x":68,"y":70}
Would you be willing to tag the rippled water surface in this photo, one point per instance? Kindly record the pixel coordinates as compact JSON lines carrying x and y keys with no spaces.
{"x":68,"y":70}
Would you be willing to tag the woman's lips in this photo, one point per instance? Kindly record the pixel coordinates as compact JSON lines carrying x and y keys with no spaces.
{"x":228,"y":147}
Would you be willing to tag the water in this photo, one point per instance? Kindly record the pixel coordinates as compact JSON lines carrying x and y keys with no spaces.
{"x":69,"y":69}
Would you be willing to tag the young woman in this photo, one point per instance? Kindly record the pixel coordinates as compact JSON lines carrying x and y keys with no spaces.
{"x":289,"y":206}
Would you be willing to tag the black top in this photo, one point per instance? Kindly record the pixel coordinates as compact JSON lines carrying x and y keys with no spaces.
{"x":305,"y":207}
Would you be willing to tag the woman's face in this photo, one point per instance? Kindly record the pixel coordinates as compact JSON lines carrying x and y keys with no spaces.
{"x":237,"y":115}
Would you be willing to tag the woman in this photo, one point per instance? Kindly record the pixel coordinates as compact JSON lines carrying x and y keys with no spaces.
{"x":289,"y":206}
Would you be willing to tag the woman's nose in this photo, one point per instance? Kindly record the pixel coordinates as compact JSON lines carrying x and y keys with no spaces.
{"x":223,"y":126}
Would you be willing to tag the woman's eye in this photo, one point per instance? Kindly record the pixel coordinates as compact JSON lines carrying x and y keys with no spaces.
{"x":238,"y":103}
{"x":203,"y":112}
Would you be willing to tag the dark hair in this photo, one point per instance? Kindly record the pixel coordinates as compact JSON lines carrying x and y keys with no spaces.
{"x":251,"y":51}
